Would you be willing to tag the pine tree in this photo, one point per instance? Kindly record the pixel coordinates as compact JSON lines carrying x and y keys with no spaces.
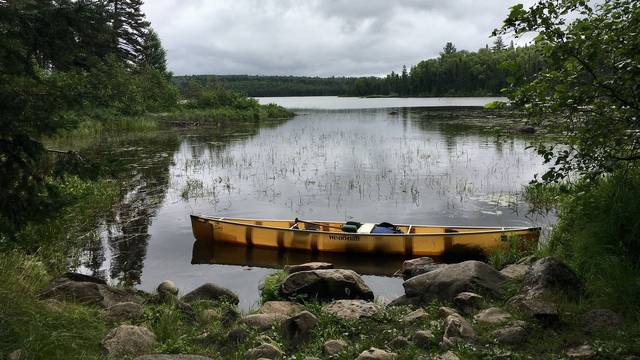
{"x":498,"y":44}
{"x":129,"y":28}
{"x":448,"y":49}
{"x":151,"y":53}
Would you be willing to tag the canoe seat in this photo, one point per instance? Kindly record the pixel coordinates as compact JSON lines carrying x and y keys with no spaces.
{"x":366,"y":228}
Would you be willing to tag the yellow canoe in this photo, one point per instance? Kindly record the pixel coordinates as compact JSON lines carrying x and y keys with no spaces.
{"x":412,"y":240}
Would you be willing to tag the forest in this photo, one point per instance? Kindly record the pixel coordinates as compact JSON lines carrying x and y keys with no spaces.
{"x":486,"y":72}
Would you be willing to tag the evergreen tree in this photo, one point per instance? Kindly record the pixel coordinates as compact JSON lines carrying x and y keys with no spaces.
{"x":129,"y":28}
{"x":498,"y":44}
{"x":448,"y":49}
{"x":151,"y":53}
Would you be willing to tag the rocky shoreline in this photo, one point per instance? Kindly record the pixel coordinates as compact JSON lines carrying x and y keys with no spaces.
{"x":448,"y":311}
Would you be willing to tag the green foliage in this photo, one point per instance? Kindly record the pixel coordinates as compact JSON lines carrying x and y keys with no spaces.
{"x":588,"y":90}
{"x":512,"y":250}
{"x":270,"y":286}
{"x":57,"y":331}
{"x":453,"y":73}
{"x":598,"y":233}
{"x":495,"y":105}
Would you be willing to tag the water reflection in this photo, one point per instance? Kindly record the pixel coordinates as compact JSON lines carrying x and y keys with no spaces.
{"x":208,"y":252}
{"x":420,"y":166}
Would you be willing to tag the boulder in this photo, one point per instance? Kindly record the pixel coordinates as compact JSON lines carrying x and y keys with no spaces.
{"x":424,"y":338}
{"x":549,"y":276}
{"x":456,"y":328}
{"x":468,"y":302}
{"x":399,"y":342}
{"x":298,"y":328}
{"x":600,"y":320}
{"x":404,"y":300}
{"x":267,"y":351}
{"x":171,"y":357}
{"x":263,"y":321}
{"x":123,"y":312}
{"x":211,"y":292}
{"x":447,"y":282}
{"x":532,"y":306}
{"x":129,"y":340}
{"x":334,"y":347}
{"x":444,"y":312}
{"x":376,"y":354}
{"x":511,"y":335}
{"x":290,"y":269}
{"x":515,"y":272}
{"x":280,"y":307}
{"x":167,"y":287}
{"x":581,"y":352}
{"x":237,"y":335}
{"x":327,"y":284}
{"x":352,"y":309}
{"x":449,"y":355}
{"x":88,"y":292}
{"x":414,"y":316}
{"x":229,"y":316}
{"x":208,"y":315}
{"x":415,"y":267}
{"x":492,"y":315}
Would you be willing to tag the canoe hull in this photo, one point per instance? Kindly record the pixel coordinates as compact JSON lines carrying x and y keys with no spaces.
{"x":416,"y":240}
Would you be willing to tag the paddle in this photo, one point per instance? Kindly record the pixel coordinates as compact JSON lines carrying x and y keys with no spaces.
{"x":318,"y":224}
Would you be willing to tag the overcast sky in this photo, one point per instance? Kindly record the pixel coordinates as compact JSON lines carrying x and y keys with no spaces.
{"x":317,"y":37}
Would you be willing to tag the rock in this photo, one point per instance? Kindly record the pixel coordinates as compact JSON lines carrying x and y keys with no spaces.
{"x":123,"y":312}
{"x":511,"y":335}
{"x":376,"y":354}
{"x":334,"y":347}
{"x":211,"y":292}
{"x":263,"y":321}
{"x":72,"y":276}
{"x":352,"y":309}
{"x":263,"y":351}
{"x":129,"y":340}
{"x":415,"y":267}
{"x":414,"y":316}
{"x":88,"y":292}
{"x":326,"y":285}
{"x":399,"y":342}
{"x":549,"y":276}
{"x":229,"y":316}
{"x":424,"y":338}
{"x":208,"y":315}
{"x":298,"y":328}
{"x":456,"y":327}
{"x":167,"y":287}
{"x":449,"y":355}
{"x":308,"y":266}
{"x":467,"y":302}
{"x":541,"y":310}
{"x":405,"y":301}
{"x":17,"y":355}
{"x":237,"y":335}
{"x":581,"y":352}
{"x":447,"y":282}
{"x":172,"y":357}
{"x":527,"y":130}
{"x":444,"y":312}
{"x":515,"y":272}
{"x":280,"y":307}
{"x":492,"y":315}
{"x":600,"y":320}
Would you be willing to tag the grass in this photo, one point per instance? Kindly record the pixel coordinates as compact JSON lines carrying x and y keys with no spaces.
{"x":513,"y":249}
{"x":270,"y":286}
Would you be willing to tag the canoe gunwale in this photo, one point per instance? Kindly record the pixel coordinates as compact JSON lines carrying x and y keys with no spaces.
{"x":452,"y":234}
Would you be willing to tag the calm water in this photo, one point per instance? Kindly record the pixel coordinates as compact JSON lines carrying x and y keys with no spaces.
{"x":421,"y":166}
{"x":341,"y":103}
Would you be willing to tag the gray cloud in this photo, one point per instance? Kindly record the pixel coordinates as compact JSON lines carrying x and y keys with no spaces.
{"x":316,"y":37}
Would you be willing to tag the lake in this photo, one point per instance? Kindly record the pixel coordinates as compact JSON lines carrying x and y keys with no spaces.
{"x":410,"y":164}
